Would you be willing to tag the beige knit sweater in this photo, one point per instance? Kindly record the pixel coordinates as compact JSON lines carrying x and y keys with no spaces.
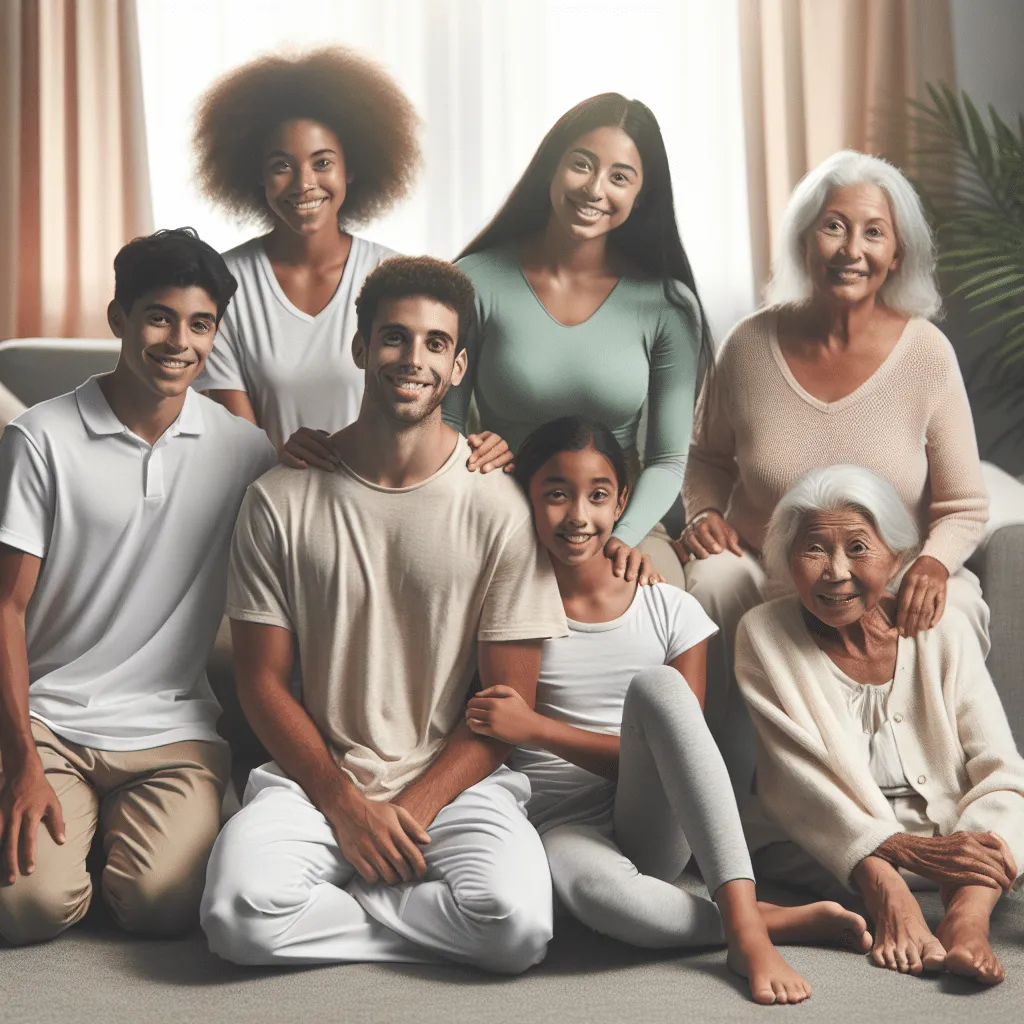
{"x":951,"y":731}
{"x":910,"y":422}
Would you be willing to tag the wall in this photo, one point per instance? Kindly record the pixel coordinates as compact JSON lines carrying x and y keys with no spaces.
{"x":987,"y":37}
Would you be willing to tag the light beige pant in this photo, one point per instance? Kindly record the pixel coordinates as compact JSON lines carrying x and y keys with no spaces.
{"x":728,"y":586}
{"x":658,"y":545}
{"x":158,"y":814}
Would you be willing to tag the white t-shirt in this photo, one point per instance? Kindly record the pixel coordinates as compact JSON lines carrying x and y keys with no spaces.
{"x":583,"y":682}
{"x":388,"y":591}
{"x":297,"y":369}
{"x":134,"y":545}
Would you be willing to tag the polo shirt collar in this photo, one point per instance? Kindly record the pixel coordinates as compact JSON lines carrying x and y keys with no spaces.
{"x":99,"y":418}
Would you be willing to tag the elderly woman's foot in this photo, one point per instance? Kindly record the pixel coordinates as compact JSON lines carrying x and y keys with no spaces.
{"x":903,"y":941}
{"x":771,"y":979}
{"x":964,"y":933}
{"x":825,"y":923}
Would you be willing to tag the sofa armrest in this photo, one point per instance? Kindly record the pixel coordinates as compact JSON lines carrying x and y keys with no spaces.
{"x":1000,"y":567}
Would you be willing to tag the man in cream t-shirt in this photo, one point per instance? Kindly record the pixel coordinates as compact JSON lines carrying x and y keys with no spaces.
{"x":384,"y":829}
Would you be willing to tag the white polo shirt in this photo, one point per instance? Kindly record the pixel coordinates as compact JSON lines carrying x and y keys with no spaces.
{"x":134,"y":545}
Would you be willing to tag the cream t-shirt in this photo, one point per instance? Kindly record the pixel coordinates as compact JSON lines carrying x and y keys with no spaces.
{"x":387,"y":591}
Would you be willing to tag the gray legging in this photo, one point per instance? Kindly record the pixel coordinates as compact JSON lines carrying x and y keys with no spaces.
{"x":673,"y":794}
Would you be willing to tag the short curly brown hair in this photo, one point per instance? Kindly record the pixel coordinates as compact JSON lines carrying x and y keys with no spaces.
{"x":398,"y":277}
{"x":336,"y":86}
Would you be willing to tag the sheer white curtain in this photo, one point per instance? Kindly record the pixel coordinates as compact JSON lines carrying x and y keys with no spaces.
{"x":488,"y":78}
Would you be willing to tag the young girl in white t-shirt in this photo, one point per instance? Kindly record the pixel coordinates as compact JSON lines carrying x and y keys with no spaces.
{"x":626,"y":778}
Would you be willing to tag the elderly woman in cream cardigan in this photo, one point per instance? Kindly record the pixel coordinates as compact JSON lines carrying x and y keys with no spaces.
{"x":884,"y":762}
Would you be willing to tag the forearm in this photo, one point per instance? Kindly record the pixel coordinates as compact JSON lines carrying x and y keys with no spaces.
{"x":656,"y":489}
{"x":463,"y":761}
{"x":236,"y":402}
{"x":593,"y":751}
{"x":284,"y":727}
{"x":16,"y":742}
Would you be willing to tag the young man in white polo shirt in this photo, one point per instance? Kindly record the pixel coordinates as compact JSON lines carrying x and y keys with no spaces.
{"x":116,"y":508}
{"x":385,"y":829}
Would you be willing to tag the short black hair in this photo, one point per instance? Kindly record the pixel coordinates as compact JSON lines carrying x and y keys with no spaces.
{"x":569,"y":434}
{"x":401,"y":276}
{"x":174,"y":257}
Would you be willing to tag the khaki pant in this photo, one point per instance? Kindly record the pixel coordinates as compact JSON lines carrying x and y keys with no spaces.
{"x":658,"y":545}
{"x":157,"y":812}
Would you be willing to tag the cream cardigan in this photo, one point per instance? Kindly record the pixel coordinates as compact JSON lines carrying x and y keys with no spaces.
{"x":951,"y":731}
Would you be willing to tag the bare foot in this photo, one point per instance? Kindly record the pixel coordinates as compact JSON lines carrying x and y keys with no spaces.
{"x":903,"y":941}
{"x":771,"y":979}
{"x":964,"y":933}
{"x":825,"y":922}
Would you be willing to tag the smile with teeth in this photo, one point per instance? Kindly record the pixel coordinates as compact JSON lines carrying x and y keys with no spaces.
{"x":847,"y":274}
{"x":170,"y":362}
{"x":411,"y":385}
{"x":576,"y":538}
{"x":588,"y":212}
{"x":306,"y":205}
{"x":838,"y":599}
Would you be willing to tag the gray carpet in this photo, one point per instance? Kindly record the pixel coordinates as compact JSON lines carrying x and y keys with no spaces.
{"x":94,"y":974}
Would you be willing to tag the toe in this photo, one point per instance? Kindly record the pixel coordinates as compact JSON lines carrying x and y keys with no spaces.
{"x":762,"y":992}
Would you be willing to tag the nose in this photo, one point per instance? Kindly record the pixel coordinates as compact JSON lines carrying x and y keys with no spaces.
{"x":838,"y":567}
{"x":577,"y":511}
{"x":853,"y":247}
{"x":178,"y":338}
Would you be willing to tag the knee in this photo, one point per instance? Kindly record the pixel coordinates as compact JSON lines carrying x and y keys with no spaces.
{"x":663,"y":692}
{"x":241,"y":922}
{"x":514,"y":930}
{"x":35,"y":909}
{"x":157,"y":900}
{"x":725,"y":586}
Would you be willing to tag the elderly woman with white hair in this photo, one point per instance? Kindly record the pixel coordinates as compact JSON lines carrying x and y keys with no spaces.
{"x":881,"y":758}
{"x":843,"y":366}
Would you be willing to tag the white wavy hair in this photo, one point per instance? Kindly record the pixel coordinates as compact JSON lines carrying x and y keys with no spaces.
{"x":838,"y":488}
{"x":909,"y":289}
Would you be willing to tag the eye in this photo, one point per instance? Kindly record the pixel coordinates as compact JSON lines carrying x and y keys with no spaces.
{"x":579,"y":163}
{"x":858,"y":547}
{"x":875,"y":232}
{"x":620,"y":179}
{"x":202,"y":326}
{"x":555,"y":495}
{"x":436,"y":345}
{"x":279,"y":167}
{"x":158,"y":319}
{"x":600,"y":495}
{"x":322,"y":164}
{"x":392,"y":338}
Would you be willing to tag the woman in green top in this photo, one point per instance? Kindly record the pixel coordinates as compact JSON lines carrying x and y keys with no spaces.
{"x":586,"y":305}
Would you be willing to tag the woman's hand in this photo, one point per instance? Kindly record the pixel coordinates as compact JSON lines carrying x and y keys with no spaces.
{"x":707,"y":534}
{"x":961,"y":858}
{"x":307,"y":448}
{"x":489,"y":451}
{"x":632,"y":563}
{"x":922,"y":597}
{"x":501,"y":713}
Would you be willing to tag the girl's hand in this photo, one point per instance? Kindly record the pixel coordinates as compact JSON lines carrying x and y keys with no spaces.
{"x":307,"y":448}
{"x":632,"y":563}
{"x":922,"y":597}
{"x":707,"y":534}
{"x":489,"y":452}
{"x":501,"y":713}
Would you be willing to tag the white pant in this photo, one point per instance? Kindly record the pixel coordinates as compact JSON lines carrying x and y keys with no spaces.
{"x":278,"y":890}
{"x":727,"y":587}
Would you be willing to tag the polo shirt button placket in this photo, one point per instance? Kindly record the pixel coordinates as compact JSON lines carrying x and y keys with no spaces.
{"x":154,"y":473}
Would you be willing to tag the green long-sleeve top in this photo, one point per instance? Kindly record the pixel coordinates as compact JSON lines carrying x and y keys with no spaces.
{"x":526,"y":368}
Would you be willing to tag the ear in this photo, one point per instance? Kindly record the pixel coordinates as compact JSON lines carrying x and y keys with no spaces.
{"x":359,"y":348}
{"x":620,"y":505}
{"x":896,"y":261}
{"x":459,"y":369}
{"x":115,"y":318}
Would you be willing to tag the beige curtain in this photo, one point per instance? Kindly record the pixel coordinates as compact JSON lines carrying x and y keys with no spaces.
{"x":823,"y":75}
{"x":74,"y":181}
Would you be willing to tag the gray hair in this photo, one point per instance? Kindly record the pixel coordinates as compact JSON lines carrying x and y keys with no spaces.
{"x":837,"y":488}
{"x":909,"y":289}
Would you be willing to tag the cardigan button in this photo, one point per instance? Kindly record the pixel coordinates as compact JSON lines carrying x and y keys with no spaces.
{"x":897,"y":718}
{"x":921,"y":780}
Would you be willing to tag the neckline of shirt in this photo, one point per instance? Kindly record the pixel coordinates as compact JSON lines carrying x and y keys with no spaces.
{"x":608,"y":624}
{"x":861,"y":391}
{"x":100,"y":420}
{"x":461,"y":447}
{"x":268,"y":271}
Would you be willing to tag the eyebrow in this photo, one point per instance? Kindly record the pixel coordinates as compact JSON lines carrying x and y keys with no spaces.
{"x":281,"y":152}
{"x":436,"y":333}
{"x":565,"y":480}
{"x":593,"y":156}
{"x":159,"y":307}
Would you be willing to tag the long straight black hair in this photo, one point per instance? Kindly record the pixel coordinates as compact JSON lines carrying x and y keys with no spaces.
{"x":649,"y":238}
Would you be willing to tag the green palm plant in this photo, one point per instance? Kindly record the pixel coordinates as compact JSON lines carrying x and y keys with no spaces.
{"x":970,"y":174}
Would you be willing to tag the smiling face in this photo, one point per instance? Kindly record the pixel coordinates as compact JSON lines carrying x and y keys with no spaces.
{"x":166,"y":337}
{"x":840,"y":566}
{"x":411,"y":358}
{"x":304,"y":176}
{"x":575,"y":504}
{"x":596,"y":183}
{"x":852,"y":247}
